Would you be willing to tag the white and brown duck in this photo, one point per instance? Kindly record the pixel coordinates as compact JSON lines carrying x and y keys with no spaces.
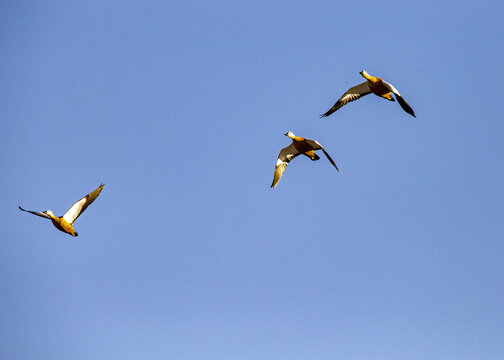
{"x":298,"y":146}
{"x":65,"y":223}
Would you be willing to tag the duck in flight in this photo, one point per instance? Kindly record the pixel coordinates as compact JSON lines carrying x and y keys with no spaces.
{"x":373,"y":85}
{"x":298,"y":146}
{"x":65,"y":222}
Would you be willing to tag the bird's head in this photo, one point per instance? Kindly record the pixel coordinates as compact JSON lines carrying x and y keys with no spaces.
{"x":48,"y":212}
{"x":364,"y":73}
{"x":290,"y":134}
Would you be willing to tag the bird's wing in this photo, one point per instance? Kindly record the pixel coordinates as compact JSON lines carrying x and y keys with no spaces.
{"x":352,"y":94}
{"x":36,"y":213}
{"x":330,"y":159}
{"x":285,"y":156}
{"x":73,"y":213}
{"x":406,"y":107}
{"x":316,"y":145}
{"x":390,"y":87}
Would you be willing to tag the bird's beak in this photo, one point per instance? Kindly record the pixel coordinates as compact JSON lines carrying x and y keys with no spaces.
{"x":286,"y":134}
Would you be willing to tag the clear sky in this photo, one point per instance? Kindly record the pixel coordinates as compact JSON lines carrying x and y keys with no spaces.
{"x":180,"y":108}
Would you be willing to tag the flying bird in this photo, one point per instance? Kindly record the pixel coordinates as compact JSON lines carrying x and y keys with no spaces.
{"x":373,"y":85}
{"x":298,"y":146}
{"x":65,"y":223}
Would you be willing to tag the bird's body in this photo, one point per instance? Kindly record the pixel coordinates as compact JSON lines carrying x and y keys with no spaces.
{"x":374,"y":85}
{"x":61,"y":224}
{"x":65,"y":223}
{"x":298,"y":146}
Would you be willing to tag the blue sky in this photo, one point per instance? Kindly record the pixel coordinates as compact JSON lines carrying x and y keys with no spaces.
{"x":180,"y":108}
